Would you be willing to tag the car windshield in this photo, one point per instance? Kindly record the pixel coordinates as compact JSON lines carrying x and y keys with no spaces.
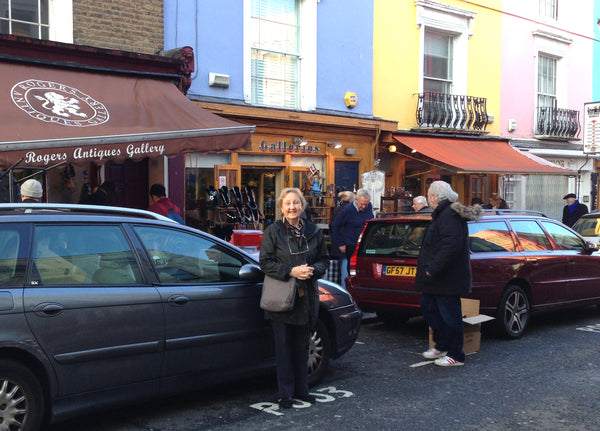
{"x":394,"y":239}
{"x":586,"y":226}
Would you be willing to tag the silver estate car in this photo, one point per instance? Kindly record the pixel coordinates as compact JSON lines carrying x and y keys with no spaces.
{"x":100,"y":306}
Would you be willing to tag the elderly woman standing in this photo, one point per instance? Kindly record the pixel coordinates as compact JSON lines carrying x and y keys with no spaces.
{"x":294,"y":247}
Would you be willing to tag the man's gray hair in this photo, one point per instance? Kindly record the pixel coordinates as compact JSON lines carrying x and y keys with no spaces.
{"x":443,"y":191}
{"x":363,"y":193}
{"x":420,"y":200}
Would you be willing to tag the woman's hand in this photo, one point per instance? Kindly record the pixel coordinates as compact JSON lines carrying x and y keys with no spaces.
{"x":302,"y":272}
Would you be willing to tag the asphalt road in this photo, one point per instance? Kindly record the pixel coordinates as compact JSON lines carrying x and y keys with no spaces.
{"x":547,"y":380}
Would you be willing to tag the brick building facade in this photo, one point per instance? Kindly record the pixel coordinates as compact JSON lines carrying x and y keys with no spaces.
{"x":119,"y":24}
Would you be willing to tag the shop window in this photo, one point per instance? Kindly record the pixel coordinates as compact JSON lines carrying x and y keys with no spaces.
{"x":38,"y":19}
{"x":477,"y":188}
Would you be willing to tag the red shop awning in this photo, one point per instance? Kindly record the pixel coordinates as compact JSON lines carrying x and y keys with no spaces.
{"x":479,"y":156}
{"x":50,"y":115}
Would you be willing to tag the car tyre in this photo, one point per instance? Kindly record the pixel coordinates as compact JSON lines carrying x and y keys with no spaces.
{"x":21,"y":398}
{"x":513,"y":313}
{"x":319,"y":353}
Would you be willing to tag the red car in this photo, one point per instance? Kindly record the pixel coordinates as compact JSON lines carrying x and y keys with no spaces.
{"x":521,"y":262}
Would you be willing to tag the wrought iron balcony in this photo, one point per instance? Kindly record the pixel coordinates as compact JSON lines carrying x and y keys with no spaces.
{"x":451,"y":111}
{"x":557,"y":122}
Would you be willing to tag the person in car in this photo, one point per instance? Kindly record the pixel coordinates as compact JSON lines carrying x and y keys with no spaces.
{"x":294,"y":247}
{"x":444,"y":272}
{"x":573,"y":210}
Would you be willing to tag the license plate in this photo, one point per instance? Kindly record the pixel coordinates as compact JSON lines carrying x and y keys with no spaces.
{"x":402,"y":271}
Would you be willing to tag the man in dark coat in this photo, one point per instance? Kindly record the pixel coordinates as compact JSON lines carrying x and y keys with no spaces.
{"x":573,"y":210}
{"x":349,"y":223}
{"x":444,"y":272}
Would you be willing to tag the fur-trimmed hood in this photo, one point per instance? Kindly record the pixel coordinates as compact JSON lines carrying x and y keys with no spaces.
{"x":472,"y":213}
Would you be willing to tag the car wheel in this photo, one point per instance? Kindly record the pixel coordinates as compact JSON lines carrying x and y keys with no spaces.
{"x":21,"y":398}
{"x":319,"y":353}
{"x":513,"y":313}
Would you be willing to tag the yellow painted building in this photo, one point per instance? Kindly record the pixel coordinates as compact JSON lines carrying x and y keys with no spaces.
{"x":460,"y":41}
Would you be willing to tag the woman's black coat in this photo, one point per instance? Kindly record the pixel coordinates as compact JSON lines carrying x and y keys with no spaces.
{"x":445,"y":251}
{"x":277,"y":262}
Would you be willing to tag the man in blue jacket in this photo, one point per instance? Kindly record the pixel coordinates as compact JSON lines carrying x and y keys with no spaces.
{"x":348,"y":225}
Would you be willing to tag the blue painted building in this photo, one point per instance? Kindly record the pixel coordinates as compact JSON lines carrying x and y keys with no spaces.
{"x":301,"y":71}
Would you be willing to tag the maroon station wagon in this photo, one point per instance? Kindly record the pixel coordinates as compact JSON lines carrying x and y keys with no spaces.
{"x":521,"y":262}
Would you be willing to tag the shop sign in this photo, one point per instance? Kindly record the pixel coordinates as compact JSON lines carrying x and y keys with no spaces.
{"x":93,"y":154}
{"x":284,"y":147}
{"x":58,"y":103}
{"x":591,"y":128}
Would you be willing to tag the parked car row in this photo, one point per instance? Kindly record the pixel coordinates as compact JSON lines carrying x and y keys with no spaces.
{"x":521,"y":263}
{"x":101,"y":306}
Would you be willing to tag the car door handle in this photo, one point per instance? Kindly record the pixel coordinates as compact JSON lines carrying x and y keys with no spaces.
{"x":533,"y":260}
{"x":48,"y":309}
{"x":178,"y":299}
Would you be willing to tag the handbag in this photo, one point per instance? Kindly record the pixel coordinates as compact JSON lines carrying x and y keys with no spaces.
{"x":278,"y":295}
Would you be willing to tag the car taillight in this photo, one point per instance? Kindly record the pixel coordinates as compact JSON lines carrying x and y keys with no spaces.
{"x":352,"y":263}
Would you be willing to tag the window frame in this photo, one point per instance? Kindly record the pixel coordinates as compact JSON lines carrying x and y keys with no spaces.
{"x":60,"y":20}
{"x":81,"y":269}
{"x":548,"y":8}
{"x":163,"y":256}
{"x":306,"y":92}
{"x":446,"y":82}
{"x":547,"y":76}
{"x":433,"y":16}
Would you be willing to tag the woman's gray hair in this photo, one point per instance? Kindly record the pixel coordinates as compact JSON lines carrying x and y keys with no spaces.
{"x":288,"y":190}
{"x":346,"y":196}
{"x":442,"y":190}
{"x":363,"y":193}
{"x":420,"y":200}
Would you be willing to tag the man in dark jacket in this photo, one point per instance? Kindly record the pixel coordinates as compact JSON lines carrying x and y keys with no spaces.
{"x":444,"y":272}
{"x":346,"y":198}
{"x":573,"y":210}
{"x":349,"y":223}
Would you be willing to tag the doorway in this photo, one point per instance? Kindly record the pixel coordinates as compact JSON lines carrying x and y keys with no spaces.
{"x":265,"y":183}
{"x":346,"y":176}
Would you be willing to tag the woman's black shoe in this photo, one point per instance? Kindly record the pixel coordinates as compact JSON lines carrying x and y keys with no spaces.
{"x":285,"y":403}
{"x":306,"y":398}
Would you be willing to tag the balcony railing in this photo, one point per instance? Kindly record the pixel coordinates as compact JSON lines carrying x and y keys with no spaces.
{"x":557,"y":122}
{"x":451,"y":111}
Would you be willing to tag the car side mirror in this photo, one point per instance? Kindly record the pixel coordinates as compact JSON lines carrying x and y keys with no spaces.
{"x":591,"y":247}
{"x":251,"y":272}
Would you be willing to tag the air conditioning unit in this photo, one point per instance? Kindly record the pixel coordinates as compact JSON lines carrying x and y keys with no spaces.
{"x":218,"y":80}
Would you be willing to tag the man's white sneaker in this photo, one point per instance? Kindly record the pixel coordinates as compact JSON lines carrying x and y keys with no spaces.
{"x":447,"y":361}
{"x":433,"y":353}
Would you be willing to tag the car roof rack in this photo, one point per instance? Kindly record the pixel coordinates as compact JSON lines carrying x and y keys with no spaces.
{"x":491,"y":211}
{"x":36,"y":208}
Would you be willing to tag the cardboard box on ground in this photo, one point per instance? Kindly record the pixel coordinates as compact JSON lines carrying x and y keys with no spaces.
{"x":472,"y":321}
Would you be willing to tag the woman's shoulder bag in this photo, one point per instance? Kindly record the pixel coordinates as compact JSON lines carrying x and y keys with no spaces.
{"x":278,"y":295}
